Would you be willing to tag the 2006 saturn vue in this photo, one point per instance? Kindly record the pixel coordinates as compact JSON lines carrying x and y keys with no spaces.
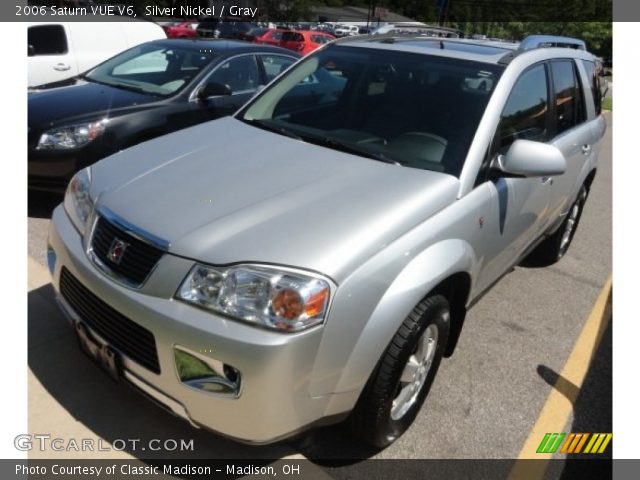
{"x":311,"y":258}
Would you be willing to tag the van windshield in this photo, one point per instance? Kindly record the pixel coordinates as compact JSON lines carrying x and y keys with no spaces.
{"x":411,"y":109}
{"x":154,"y":69}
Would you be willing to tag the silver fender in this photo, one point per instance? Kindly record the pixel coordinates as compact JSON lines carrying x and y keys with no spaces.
{"x":417,"y":279}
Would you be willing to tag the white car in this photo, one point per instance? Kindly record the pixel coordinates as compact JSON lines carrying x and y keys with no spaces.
{"x":346,"y":30}
{"x":61,"y":50}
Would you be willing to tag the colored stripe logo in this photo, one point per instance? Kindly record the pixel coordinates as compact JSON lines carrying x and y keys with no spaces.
{"x":574,"y":443}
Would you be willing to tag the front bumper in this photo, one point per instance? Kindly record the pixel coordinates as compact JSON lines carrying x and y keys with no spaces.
{"x":276,"y":368}
{"x":51,"y":170}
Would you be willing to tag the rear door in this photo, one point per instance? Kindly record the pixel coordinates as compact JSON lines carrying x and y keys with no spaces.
{"x":293,"y":41}
{"x":50,"y":54}
{"x":573,"y":135}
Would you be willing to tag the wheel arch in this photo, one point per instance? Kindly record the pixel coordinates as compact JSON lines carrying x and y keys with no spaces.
{"x":590,"y":177}
{"x":443,"y":268}
{"x":455,"y":289}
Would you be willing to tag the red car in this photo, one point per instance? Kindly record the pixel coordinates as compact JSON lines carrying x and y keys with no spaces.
{"x":265,"y":36}
{"x":180,"y":30}
{"x":304,"y":41}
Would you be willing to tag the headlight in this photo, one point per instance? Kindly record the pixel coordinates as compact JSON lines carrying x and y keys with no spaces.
{"x":72,"y":136}
{"x":77,"y":199}
{"x":275,"y":299}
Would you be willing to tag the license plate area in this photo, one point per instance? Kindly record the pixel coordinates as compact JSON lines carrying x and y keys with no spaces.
{"x":107,"y":358}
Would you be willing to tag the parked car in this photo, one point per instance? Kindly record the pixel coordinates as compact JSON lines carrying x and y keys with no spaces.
{"x":346,"y":30}
{"x":147,"y":91}
{"x":61,"y":50}
{"x":265,"y":36}
{"x":307,"y":261}
{"x":304,"y":42}
{"x":180,"y":30}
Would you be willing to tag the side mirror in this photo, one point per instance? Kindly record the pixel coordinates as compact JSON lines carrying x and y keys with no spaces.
{"x":213,"y":90}
{"x":531,"y":159}
{"x":31,"y":51}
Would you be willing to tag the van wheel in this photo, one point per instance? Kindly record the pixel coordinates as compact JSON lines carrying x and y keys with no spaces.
{"x":400,"y":383}
{"x":555,"y":247}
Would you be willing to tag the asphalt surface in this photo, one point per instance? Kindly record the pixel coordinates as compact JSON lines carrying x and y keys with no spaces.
{"x":485,"y":398}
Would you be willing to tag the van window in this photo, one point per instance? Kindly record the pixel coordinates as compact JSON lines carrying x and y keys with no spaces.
{"x":568,"y":96}
{"x":47,"y":40}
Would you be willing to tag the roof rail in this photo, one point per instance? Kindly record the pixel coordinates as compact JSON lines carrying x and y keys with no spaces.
{"x":545,"y":41}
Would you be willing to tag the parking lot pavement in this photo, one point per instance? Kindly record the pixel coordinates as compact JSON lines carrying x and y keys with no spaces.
{"x":483,"y":404}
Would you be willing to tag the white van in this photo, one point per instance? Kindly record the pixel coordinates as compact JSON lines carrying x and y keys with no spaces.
{"x":61,"y":50}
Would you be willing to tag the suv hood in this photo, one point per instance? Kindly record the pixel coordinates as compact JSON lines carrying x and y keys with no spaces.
{"x":225,"y":192}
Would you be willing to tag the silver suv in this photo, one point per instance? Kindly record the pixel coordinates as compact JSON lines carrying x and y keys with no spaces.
{"x":311,"y":259}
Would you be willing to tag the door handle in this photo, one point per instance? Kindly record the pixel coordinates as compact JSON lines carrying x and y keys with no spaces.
{"x":586,"y":148}
{"x":547,"y":180}
{"x":62,"y":67}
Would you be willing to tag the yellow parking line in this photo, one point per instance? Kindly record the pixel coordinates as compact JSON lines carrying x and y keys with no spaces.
{"x":559,"y":405}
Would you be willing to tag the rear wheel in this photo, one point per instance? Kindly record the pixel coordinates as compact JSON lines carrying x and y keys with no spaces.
{"x":556,"y":246}
{"x":400,"y":383}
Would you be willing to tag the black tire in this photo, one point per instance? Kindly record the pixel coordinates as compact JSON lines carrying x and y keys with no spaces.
{"x":555,"y":247}
{"x":372,"y":420}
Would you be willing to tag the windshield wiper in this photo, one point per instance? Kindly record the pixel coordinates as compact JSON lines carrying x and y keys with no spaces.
{"x":129,"y":86}
{"x":125,"y":86}
{"x":349,"y":148}
{"x":267,"y":125}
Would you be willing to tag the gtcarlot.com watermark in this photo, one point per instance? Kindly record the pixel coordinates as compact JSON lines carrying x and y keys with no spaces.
{"x":47,"y":442}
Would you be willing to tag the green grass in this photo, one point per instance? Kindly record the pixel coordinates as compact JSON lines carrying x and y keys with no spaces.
{"x":607,"y":103}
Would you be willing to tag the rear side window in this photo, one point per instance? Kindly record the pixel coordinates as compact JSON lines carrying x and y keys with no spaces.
{"x":48,"y":40}
{"x":292,"y":37}
{"x":567,"y":96}
{"x":596,"y":87}
{"x":525,"y":114}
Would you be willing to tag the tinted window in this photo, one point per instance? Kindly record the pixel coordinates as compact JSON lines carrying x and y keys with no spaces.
{"x":274,"y":65}
{"x":567,"y":95}
{"x":240,"y":74}
{"x":596,"y":88}
{"x":526,"y":111}
{"x":48,"y":40}
{"x":292,"y":37}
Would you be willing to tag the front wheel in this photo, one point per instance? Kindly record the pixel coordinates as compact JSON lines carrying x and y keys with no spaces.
{"x":400,"y":383}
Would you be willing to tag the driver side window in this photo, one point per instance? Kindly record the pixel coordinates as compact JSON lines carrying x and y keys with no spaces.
{"x":240,"y":74}
{"x":526,"y":113}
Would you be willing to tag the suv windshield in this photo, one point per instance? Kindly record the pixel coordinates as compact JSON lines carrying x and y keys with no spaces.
{"x":406,"y":108}
{"x":152,"y":69}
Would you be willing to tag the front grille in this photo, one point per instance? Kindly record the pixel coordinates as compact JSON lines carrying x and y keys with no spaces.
{"x":133,"y":340}
{"x":138,"y":258}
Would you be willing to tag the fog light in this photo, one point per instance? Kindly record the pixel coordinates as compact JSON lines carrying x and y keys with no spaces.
{"x":205,"y":373}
